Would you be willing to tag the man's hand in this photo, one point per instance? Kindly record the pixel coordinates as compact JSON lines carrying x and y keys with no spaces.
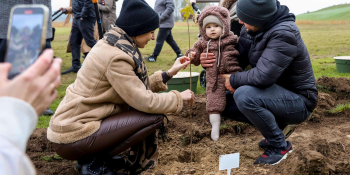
{"x":207,"y":61}
{"x":227,"y":82}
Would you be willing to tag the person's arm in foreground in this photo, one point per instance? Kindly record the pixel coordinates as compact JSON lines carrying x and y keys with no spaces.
{"x":21,"y":101}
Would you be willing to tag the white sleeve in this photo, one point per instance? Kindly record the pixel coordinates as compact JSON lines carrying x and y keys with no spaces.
{"x":17,"y":122}
{"x":14,"y":161}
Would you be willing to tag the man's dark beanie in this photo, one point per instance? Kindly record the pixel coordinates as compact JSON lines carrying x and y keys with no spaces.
{"x":137,"y":17}
{"x":256,"y":12}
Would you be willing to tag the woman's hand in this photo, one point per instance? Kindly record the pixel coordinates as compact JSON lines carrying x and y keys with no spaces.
{"x":37,"y":85}
{"x":207,"y":61}
{"x":181,"y":62}
{"x":227,"y":82}
{"x":188,"y":96}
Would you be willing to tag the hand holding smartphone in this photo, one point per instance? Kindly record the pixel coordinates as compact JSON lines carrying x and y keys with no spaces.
{"x":26,"y":36}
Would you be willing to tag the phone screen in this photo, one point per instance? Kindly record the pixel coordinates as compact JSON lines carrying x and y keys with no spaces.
{"x":24,"y":44}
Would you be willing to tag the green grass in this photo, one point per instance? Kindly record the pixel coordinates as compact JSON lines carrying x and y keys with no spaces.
{"x":334,"y":13}
{"x":324,"y":41}
{"x":340,"y":108}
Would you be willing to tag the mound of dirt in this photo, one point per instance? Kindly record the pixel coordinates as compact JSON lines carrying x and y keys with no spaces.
{"x":321,"y":145}
{"x":335,"y":84}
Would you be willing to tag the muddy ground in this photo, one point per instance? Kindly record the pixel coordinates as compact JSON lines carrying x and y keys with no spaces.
{"x":321,"y":144}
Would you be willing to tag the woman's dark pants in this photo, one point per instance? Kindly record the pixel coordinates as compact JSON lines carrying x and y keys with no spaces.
{"x":116,"y":134}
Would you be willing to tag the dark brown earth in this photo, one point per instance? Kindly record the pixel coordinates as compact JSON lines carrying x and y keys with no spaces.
{"x":321,"y":144}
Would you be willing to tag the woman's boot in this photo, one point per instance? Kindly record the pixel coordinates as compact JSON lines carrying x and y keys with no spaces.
{"x":97,"y":166}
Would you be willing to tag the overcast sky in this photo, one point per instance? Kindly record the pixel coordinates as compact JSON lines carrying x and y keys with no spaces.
{"x":295,"y":6}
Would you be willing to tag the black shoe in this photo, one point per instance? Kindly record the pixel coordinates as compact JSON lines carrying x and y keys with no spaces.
{"x":96,"y":167}
{"x":263,"y":144}
{"x":151,"y":58}
{"x":287,"y":131}
{"x":116,"y":163}
{"x":48,"y":112}
{"x":273,"y":156}
{"x":178,"y":56}
{"x":70,"y":70}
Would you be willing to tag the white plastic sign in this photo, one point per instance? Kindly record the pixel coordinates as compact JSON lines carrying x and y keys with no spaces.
{"x":228,"y":161}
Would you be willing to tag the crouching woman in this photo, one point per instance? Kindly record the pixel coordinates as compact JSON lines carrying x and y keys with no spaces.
{"x":113,"y":104}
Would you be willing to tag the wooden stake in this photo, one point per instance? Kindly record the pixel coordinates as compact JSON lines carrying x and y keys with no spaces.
{"x":189,"y":47}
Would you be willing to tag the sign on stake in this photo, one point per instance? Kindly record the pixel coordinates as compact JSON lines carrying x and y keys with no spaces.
{"x":228,"y":162}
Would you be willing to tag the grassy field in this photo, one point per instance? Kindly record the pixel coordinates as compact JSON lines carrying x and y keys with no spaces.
{"x":324,"y":41}
{"x":334,"y":13}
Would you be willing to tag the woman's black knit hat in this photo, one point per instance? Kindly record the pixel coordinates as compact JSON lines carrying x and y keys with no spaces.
{"x":137,"y":18}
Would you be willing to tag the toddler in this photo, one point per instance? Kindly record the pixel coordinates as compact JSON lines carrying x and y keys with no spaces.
{"x":216,"y":38}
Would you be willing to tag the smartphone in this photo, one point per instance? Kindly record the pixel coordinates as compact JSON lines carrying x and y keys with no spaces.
{"x":26,"y":36}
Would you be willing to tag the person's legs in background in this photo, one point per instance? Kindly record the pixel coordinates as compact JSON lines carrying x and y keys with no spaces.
{"x":86,"y":28}
{"x":170,"y":40}
{"x":266,"y":109}
{"x":161,"y":37}
{"x":75,"y":42}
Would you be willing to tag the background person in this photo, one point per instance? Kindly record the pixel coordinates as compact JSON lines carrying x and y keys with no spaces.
{"x":83,"y":27}
{"x":165,"y":9}
{"x":22,"y":99}
{"x":113,"y":94}
{"x":107,"y":11}
{"x":85,"y":49}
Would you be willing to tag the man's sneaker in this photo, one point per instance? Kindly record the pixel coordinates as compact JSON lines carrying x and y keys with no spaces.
{"x":151,"y":58}
{"x":273,"y":156}
{"x":178,"y":56}
{"x":263,"y":144}
{"x":287,"y":131}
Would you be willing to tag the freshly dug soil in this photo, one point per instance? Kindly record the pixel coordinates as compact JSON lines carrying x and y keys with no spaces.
{"x":321,"y":144}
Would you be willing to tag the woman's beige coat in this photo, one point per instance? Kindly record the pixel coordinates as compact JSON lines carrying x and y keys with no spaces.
{"x":106,"y":84}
